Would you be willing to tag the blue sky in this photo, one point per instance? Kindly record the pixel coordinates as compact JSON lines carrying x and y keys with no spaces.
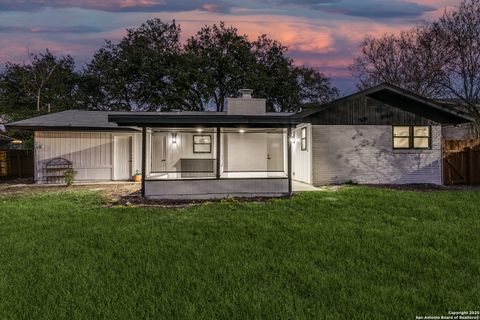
{"x":319,"y":33}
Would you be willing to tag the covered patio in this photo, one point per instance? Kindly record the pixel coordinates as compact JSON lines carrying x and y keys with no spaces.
{"x":214,"y":155}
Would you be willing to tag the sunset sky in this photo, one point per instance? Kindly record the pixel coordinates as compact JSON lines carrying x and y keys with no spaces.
{"x":319,"y":33}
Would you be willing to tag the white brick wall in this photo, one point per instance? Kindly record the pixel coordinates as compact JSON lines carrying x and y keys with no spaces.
{"x":364,"y":154}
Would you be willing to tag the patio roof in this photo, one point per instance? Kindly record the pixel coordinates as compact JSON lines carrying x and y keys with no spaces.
{"x":207,"y":119}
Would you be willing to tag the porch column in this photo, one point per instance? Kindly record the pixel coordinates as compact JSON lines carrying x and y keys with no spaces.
{"x":289,"y":159}
{"x":218,"y":152}
{"x":144,"y":158}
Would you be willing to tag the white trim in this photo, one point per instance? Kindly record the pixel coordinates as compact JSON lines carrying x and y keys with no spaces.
{"x":114,"y":149}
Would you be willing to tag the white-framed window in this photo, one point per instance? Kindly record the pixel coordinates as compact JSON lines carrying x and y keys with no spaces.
{"x":202,"y":144}
{"x":303,"y":139}
{"x":411,"y":137}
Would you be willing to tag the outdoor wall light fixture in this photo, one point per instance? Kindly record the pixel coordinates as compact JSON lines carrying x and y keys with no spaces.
{"x":174,"y":138}
{"x":199,"y":130}
{"x":241,"y":131}
{"x":292,"y":139}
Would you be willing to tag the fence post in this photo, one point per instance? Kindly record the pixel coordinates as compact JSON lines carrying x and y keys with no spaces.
{"x":467,"y":165}
{"x":471,"y":166}
{"x":19,"y":165}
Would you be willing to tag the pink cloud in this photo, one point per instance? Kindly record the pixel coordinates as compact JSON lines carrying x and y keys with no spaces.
{"x":329,"y":44}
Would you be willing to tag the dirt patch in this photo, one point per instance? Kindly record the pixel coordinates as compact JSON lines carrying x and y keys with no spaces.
{"x":136,"y":199}
{"x":112,"y":191}
{"x":116,"y":194}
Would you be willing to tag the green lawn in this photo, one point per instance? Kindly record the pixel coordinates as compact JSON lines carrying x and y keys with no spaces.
{"x":355,"y":253}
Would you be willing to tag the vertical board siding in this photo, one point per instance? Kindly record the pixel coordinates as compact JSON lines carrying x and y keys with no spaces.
{"x":364,"y":154}
{"x":182,"y":149}
{"x":302,"y":160}
{"x":362,"y":110}
{"x":90,"y":153}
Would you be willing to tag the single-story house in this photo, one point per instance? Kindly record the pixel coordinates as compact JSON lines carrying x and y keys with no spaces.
{"x":383,"y":135}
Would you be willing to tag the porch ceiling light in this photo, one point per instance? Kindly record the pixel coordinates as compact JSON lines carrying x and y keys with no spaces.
{"x":241,"y":130}
{"x":199,"y":130}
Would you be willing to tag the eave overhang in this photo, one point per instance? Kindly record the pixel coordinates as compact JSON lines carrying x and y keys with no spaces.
{"x":189,"y":121}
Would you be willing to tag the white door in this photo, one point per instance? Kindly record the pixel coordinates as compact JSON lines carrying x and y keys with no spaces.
{"x":122,"y":158}
{"x":159,"y":152}
{"x":275,"y":152}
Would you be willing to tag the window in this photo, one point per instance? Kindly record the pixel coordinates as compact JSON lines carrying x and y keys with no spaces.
{"x":421,"y":137}
{"x":303,"y":139}
{"x":401,"y":137}
{"x":411,"y":137}
{"x":202,"y":144}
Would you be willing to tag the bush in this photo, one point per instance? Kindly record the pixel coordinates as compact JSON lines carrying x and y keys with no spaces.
{"x":69,"y":176}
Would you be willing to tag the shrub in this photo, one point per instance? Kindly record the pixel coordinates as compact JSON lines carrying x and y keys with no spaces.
{"x":69,"y":176}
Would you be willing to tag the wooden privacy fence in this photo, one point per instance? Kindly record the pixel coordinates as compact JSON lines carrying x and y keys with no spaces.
{"x":16,"y":164}
{"x":461,"y":161}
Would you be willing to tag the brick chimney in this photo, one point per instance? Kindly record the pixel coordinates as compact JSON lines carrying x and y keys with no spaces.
{"x":245,"y":104}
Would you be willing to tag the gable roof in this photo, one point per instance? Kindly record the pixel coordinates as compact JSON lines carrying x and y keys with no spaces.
{"x":404,"y":100}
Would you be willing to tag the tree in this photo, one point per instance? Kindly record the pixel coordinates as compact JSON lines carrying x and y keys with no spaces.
{"x":412,"y":60}
{"x":440,"y":59}
{"x":149,"y":69}
{"x":139,"y":72}
{"x":46,"y":84}
{"x":224,"y":60}
{"x":273,"y":77}
{"x":227,"y":62}
{"x":315,"y":88}
{"x":459,"y":35}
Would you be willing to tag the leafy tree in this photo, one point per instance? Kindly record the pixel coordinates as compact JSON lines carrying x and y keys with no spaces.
{"x":139,"y":72}
{"x":228,"y":62}
{"x":46,"y":84}
{"x":150,"y":69}
{"x":224,"y":60}
{"x":315,"y":88}
{"x":273,"y":75}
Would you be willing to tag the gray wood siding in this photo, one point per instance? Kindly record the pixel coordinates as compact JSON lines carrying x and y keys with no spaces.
{"x":364,"y":154}
{"x":90,"y":152}
{"x":363,"y":110}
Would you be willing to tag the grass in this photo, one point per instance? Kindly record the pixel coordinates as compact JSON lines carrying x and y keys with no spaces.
{"x":356,"y":253}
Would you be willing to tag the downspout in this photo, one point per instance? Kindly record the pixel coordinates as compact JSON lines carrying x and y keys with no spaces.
{"x":144,"y":158}
{"x":289,"y":160}
{"x":218,"y":153}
